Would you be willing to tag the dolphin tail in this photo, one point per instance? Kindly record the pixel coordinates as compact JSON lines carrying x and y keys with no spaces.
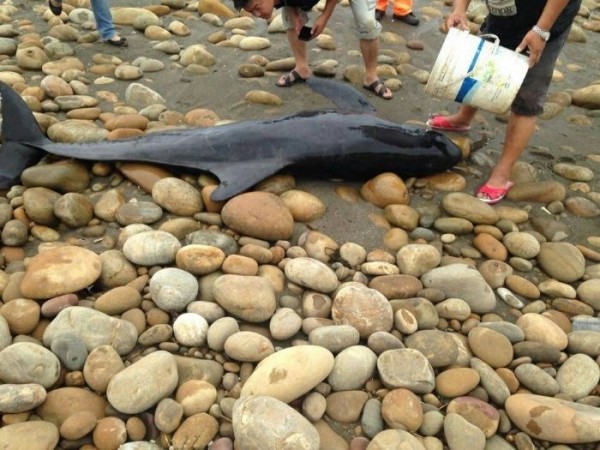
{"x":22,"y":137}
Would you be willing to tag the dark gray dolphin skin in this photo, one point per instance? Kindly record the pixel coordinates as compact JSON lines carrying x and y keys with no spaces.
{"x":348,"y":145}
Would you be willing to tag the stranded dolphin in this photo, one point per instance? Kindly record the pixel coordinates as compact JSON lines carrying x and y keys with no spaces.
{"x":349,"y":145}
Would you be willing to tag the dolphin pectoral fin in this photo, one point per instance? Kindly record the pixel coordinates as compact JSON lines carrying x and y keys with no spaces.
{"x":238,"y":177}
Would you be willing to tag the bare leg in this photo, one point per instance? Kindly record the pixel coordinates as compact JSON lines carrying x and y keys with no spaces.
{"x":370,"y":51}
{"x":298,"y":48}
{"x":518,"y":133}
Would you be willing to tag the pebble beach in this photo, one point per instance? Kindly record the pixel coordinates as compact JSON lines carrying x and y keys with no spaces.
{"x":389,"y":313}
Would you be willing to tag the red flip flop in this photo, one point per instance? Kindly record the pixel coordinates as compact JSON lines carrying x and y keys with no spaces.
{"x":440,"y":123}
{"x":492,"y":195}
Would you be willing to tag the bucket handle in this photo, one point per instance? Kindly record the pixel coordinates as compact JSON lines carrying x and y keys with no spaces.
{"x":468,"y":74}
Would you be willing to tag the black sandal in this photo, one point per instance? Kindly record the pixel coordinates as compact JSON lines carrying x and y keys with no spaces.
{"x":121,"y":42}
{"x":290,"y":79}
{"x":378,"y":88}
{"x":56,"y":10}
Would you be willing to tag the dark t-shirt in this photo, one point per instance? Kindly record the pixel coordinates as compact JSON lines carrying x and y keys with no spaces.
{"x":511,"y":20}
{"x":304,"y":5}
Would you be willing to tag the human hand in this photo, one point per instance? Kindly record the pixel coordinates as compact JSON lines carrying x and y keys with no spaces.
{"x":457,"y":19}
{"x":535,"y":44}
{"x":319,"y":26}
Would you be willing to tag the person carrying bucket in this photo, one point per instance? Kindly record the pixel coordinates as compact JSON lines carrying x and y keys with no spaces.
{"x":540,"y":27}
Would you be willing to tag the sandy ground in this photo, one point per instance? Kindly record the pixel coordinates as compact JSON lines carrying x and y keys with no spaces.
{"x":223,"y":90}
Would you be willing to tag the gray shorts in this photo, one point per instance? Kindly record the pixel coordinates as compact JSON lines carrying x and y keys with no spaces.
{"x":534,"y":90}
{"x":367,"y":27}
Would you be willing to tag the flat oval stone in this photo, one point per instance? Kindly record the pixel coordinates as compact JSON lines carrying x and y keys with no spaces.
{"x":258,"y":294}
{"x":159,"y":372}
{"x":26,"y":362}
{"x":60,"y":270}
{"x":312,"y":274}
{"x":253,"y":414}
{"x":122,"y":335}
{"x":365,"y":309}
{"x":578,"y":376}
{"x":17,"y":398}
{"x":554,"y":420}
{"x":468,"y":207}
{"x":406,"y":368}
{"x":289,"y":373}
{"x":352,"y":368}
{"x":562,"y":261}
{"x":33,"y":435}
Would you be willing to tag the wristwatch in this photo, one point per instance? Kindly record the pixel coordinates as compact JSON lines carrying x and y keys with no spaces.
{"x":545,"y":35}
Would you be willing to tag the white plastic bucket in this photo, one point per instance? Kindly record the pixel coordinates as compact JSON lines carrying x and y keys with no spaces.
{"x":477,"y":72}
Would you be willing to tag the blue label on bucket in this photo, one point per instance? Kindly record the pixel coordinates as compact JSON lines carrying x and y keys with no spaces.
{"x":468,"y":83}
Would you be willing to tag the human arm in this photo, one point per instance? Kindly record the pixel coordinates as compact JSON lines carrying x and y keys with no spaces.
{"x":321,"y":21}
{"x":532,"y":41}
{"x":458,"y":16}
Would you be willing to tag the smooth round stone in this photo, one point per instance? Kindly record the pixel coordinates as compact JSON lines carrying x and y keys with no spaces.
{"x":416,"y":259}
{"x":495,"y":272}
{"x":522,"y":245}
{"x":562,"y":261}
{"x":352,"y":368}
{"x":396,"y":286}
{"x":536,"y":380}
{"x":31,"y":435}
{"x":456,"y":382}
{"x":78,"y":425}
{"x":101,"y":365}
{"x":453,"y":308}
{"x":219,"y":331}
{"x":477,"y":412}
{"x":439,"y":348}
{"x":70,"y":349}
{"x":491,"y":381}
{"x":402,"y":409}
{"x":62,"y":403}
{"x":381,"y":341}
{"x":17,"y":398}
{"x":199,"y":259}
{"x":173,"y":289}
{"x":554,"y":420}
{"x":405,"y":321}
{"x":510,"y":330}
{"x":461,"y":281}
{"x":177,"y":196}
{"x":284,"y":324}
{"x":167,"y":415}
{"x":311,"y":274}
{"x":25,"y":362}
{"x":334,"y":338}
{"x":391,"y":439}
{"x":406,"y":368}
{"x":490,"y":346}
{"x":289,"y":373}
{"x":365,"y":309}
{"x":537,"y":351}
{"x":490,"y":247}
{"x":421,"y":308}
{"x":578,"y":376}
{"x":22,"y":315}
{"x":259,"y":214}
{"x":573,"y":172}
{"x":200,"y":429}
{"x":248,"y":346}
{"x":190,"y":330}
{"x":196,"y":396}
{"x":584,"y":341}
{"x":346,"y":406}
{"x":253,"y":414}
{"x":541,"y":329}
{"x":313,"y":406}
{"x":433,"y":421}
{"x":468,"y":207}
{"x":150,"y":248}
{"x":554,"y":289}
{"x":461,"y":434}
{"x":589,"y":292}
{"x":138,"y":212}
{"x":213,"y":239}
{"x":60,"y":270}
{"x":453,"y":225}
{"x":259,"y":297}
{"x":159,"y":372}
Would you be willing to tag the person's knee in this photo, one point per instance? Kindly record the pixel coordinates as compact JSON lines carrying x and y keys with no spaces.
{"x":368,"y":28}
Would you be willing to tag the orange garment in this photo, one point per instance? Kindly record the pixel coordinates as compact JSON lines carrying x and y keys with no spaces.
{"x":401,"y":7}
